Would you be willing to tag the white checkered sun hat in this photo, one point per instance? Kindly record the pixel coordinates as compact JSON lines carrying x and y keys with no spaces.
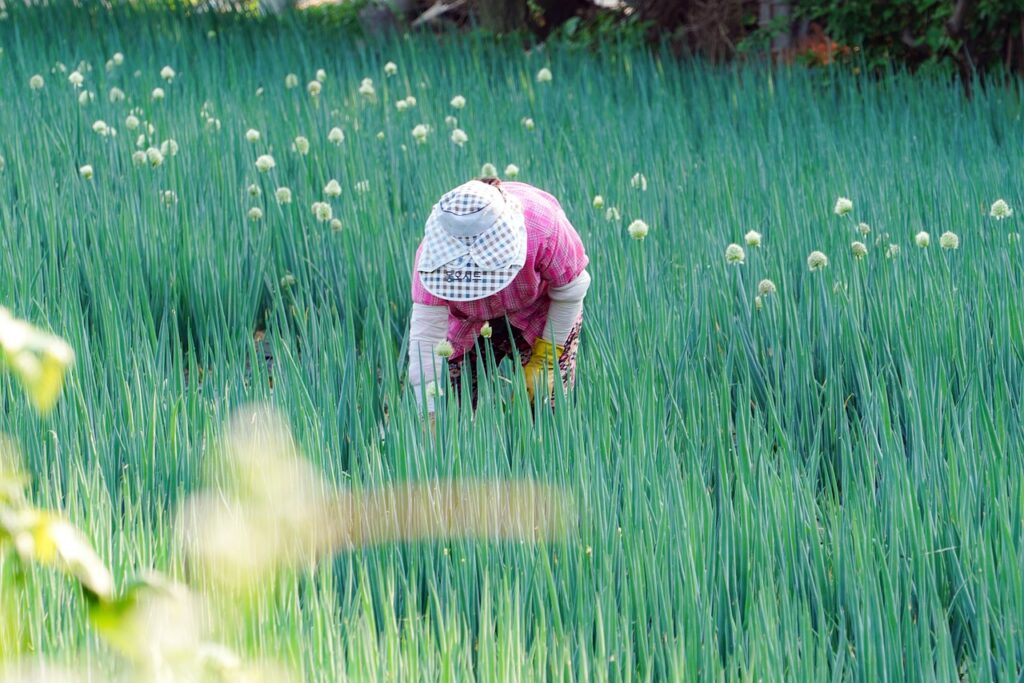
{"x":474,"y":243}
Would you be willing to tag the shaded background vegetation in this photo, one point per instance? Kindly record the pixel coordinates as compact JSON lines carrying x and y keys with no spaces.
{"x":965,"y":36}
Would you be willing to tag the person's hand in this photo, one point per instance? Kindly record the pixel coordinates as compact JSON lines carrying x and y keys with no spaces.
{"x":430,"y":423}
{"x":541,"y":366}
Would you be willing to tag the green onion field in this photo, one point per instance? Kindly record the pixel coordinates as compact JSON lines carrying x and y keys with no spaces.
{"x":776,"y":465}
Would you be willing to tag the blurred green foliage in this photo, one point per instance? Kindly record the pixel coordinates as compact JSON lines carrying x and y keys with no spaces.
{"x":921,"y":34}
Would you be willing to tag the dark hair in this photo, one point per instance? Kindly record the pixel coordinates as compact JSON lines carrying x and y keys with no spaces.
{"x":490,"y":180}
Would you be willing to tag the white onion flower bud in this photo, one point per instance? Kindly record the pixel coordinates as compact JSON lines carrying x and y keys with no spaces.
{"x":734,"y":255}
{"x":322,"y":211}
{"x":1000,"y":210}
{"x":264,"y":163}
{"x":638,"y":229}
{"x":444,"y":349}
{"x":816,"y":261}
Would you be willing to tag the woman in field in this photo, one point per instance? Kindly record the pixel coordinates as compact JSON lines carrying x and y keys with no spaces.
{"x":501,"y":261}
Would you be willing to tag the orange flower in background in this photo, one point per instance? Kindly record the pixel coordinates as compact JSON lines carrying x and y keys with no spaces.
{"x":816,"y":49}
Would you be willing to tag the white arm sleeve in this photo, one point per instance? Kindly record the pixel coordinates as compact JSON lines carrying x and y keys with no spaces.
{"x":566,"y":306}
{"x":428,"y":326}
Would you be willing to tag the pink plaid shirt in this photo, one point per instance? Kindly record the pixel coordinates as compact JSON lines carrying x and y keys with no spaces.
{"x":554,"y":257}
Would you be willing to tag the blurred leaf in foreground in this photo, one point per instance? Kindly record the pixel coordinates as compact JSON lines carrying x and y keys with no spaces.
{"x":41,"y":671}
{"x":45,"y":538}
{"x":271,"y":509}
{"x":13,"y":480}
{"x":38,"y":359}
{"x":158,"y":625}
{"x":153,"y":621}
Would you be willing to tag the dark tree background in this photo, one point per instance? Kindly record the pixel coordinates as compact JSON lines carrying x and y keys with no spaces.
{"x":964,"y":36}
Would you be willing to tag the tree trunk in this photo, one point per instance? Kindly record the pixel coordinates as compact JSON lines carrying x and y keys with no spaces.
{"x":502,"y":16}
{"x":769,"y":11}
{"x":962,"y":12}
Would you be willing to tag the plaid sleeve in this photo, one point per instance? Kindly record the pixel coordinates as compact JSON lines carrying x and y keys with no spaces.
{"x":419,"y":293}
{"x":561,"y":257}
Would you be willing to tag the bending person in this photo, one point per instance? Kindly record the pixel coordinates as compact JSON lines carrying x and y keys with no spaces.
{"x":502,"y":258}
